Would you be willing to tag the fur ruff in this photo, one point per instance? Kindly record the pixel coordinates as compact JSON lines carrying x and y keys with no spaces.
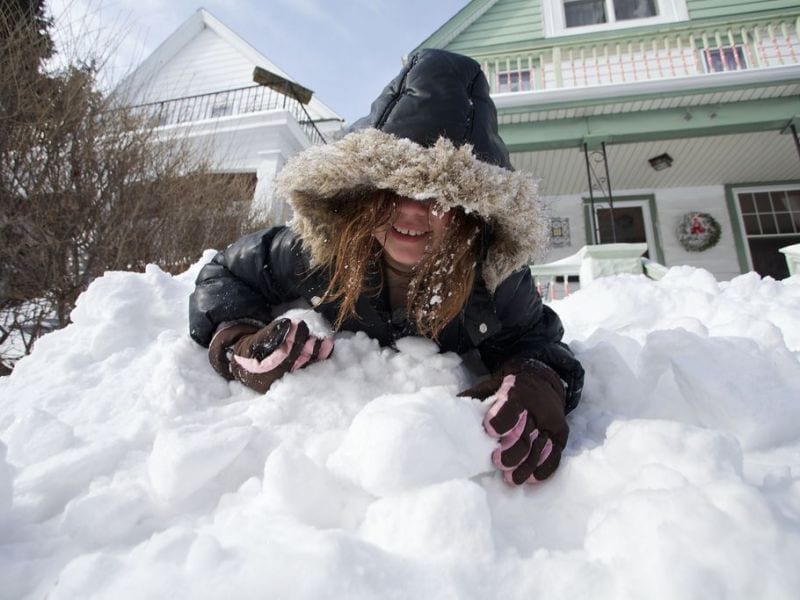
{"x":371,"y":160}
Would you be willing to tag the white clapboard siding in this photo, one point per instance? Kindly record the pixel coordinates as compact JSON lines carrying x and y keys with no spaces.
{"x":203,"y":56}
{"x":206,"y":64}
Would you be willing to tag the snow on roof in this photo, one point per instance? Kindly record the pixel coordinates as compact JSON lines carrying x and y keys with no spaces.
{"x":130,"y":469}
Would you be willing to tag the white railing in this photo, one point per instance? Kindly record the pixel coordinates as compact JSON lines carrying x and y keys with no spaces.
{"x":683,"y":53}
{"x":251,"y":99}
{"x":792,"y":255}
{"x":546,"y":276}
{"x":590,"y":263}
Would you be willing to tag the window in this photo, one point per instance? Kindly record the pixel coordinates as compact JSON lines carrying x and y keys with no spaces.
{"x":221,"y":106}
{"x":578,"y":13}
{"x":771,"y":220}
{"x":514,"y":81}
{"x":730,"y":58}
{"x":625,"y":10}
{"x":566,"y":17}
{"x":771,"y":212}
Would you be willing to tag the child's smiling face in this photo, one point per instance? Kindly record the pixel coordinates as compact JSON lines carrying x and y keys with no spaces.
{"x":416,"y":228}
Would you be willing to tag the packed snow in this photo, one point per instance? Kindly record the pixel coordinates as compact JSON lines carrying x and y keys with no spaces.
{"x":129,"y":469}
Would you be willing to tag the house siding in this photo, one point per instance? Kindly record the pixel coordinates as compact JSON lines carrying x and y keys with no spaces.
{"x":512,"y":25}
{"x":706,"y":9}
{"x":206,"y":64}
{"x":507,"y":22}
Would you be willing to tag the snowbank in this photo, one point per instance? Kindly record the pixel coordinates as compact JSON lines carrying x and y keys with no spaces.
{"x":128,"y":469}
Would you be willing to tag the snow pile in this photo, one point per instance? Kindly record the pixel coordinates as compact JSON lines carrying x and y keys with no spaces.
{"x":129,"y":469}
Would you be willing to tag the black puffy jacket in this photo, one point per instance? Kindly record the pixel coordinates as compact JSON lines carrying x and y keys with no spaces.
{"x":269,"y":268}
{"x":432,"y":133}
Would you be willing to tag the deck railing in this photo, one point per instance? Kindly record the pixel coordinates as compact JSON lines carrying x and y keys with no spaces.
{"x":251,"y":99}
{"x":687,"y":52}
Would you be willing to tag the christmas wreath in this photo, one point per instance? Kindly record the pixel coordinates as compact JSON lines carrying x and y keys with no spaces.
{"x":698,"y":231}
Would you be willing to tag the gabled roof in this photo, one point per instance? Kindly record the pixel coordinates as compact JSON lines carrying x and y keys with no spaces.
{"x":458,"y":23}
{"x":192,"y":27}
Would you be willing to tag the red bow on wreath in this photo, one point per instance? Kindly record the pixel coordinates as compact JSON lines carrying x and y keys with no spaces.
{"x":697,"y":226}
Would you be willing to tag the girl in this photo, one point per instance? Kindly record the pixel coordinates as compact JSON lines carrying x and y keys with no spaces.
{"x":412,"y":224}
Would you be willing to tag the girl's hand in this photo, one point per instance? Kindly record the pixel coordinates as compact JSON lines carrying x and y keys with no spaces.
{"x":527,"y":417}
{"x":260,"y":356}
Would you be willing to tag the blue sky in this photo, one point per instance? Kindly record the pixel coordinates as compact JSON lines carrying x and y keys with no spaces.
{"x":344,"y":50}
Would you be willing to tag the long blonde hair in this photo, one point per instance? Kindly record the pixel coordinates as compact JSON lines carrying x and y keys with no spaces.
{"x":440,"y":282}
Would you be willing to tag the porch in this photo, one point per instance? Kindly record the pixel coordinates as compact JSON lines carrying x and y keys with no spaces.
{"x":748,"y":182}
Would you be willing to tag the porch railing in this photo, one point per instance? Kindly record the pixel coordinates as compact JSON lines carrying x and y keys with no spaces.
{"x":792,"y":256}
{"x":589,"y":263}
{"x":251,"y":99}
{"x":679,"y":53}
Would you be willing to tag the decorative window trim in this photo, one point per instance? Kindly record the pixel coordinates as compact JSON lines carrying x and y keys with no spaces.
{"x":669,"y":11}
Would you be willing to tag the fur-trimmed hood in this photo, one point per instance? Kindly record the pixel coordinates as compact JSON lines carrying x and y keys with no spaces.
{"x":430,"y":134}
{"x":372,"y":160}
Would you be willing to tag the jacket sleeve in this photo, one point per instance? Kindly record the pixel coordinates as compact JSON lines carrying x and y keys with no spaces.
{"x":530,"y":329}
{"x":245,"y":281}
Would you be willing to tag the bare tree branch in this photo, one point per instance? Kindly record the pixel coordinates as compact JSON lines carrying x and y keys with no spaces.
{"x":87,"y":186}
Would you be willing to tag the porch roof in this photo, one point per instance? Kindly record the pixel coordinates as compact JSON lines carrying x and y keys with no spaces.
{"x":759,"y":157}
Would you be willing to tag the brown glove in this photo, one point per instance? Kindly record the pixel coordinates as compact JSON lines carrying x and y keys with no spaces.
{"x":527,"y":416}
{"x":259,"y":356}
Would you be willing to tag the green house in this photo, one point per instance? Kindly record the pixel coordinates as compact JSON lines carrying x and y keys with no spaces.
{"x":668,"y":122}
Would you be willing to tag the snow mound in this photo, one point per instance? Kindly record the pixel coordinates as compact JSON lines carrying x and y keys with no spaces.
{"x":129,"y":469}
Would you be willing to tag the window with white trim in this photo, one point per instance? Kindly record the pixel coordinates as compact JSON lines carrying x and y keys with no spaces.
{"x":514,"y":81}
{"x":567,"y":17}
{"x":770,"y":218}
{"x":727,"y":58}
{"x":770,"y":212}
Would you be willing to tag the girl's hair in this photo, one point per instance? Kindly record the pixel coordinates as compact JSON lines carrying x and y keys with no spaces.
{"x":440,"y":283}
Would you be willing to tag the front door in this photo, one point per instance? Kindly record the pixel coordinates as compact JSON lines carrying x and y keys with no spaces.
{"x":632,"y":220}
{"x":629,"y":222}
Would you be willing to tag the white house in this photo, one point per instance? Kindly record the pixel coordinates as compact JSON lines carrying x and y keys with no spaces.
{"x":199,"y":83}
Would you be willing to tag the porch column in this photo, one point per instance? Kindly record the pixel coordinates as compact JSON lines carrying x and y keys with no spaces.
{"x":266,"y":207}
{"x":796,"y":139}
{"x":599,"y":180}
